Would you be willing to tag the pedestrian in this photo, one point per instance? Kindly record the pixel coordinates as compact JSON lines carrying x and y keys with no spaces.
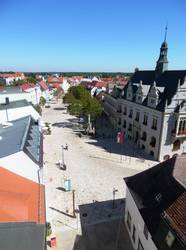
{"x":66,"y":146}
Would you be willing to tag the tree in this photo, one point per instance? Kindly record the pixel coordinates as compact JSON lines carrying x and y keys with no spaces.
{"x":42,"y":101}
{"x":38,"y":109}
{"x":31,"y":79}
{"x":18,"y":82}
{"x":81,"y":102}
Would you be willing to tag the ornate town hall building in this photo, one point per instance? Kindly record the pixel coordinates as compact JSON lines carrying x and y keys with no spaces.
{"x":151,"y":109}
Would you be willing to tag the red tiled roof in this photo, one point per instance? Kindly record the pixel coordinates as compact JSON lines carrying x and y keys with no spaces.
{"x":55,"y":85}
{"x":6,"y":75}
{"x":102,"y":84}
{"x":43,"y":85}
{"x":52,"y":79}
{"x":26,"y":86}
{"x":19,"y":199}
{"x":176,"y":216}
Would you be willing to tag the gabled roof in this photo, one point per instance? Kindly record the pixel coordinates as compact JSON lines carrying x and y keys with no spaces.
{"x":157,"y":188}
{"x":175,"y":215}
{"x":43,"y":85}
{"x":27,"y":86}
{"x":168,"y":79}
{"x":21,"y":200}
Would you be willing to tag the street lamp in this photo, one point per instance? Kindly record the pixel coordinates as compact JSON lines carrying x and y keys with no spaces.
{"x":114,"y":192}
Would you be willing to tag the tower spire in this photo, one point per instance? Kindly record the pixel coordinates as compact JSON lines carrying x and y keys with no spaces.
{"x":162,"y":63}
{"x":166,"y":28}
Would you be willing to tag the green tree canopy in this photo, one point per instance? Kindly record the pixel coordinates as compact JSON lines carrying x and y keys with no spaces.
{"x":82,"y":103}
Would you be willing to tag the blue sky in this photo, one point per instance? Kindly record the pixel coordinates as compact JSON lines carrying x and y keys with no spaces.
{"x":90,"y":35}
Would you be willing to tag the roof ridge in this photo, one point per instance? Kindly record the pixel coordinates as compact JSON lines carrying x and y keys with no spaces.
{"x":25,"y":133}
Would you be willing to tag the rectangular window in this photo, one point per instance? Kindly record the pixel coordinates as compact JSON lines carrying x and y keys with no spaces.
{"x":145,"y":119}
{"x":154,"y":123}
{"x":131,"y":112}
{"x":125,"y":110}
{"x":145,"y":231}
{"x":130,"y":127}
{"x":140,"y":246}
{"x":129,"y":220}
{"x":137,"y":116}
{"x":134,"y":234}
{"x":124,"y":124}
{"x":152,"y":101}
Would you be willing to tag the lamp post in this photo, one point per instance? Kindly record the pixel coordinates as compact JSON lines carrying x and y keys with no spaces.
{"x":114,"y":192}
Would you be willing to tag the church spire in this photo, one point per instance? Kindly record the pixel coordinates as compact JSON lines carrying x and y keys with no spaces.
{"x":166,"y":28}
{"x":162,"y":63}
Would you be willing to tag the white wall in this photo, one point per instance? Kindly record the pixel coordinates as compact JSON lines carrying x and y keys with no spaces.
{"x":65,"y":86}
{"x":19,"y":163}
{"x":16,"y":113}
{"x":137,"y":220}
{"x":32,"y":96}
{"x":151,"y":113}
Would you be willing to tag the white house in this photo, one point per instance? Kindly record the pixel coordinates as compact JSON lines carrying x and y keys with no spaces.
{"x":11,"y":77}
{"x":65,"y":85}
{"x":151,"y":109}
{"x":12,"y":94}
{"x":22,"y":148}
{"x":152,"y":199}
{"x":17,"y":109}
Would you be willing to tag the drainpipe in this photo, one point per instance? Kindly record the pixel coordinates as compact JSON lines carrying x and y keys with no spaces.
{"x":161,"y":133}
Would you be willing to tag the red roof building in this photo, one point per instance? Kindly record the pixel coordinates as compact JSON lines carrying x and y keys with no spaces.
{"x":55,"y":82}
{"x":43,"y":85}
{"x":102,"y":84}
{"x":26,"y":86}
{"x":21,"y":200}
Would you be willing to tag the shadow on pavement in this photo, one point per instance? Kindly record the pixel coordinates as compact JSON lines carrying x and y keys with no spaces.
{"x":103,"y":227}
{"x":59,"y":109}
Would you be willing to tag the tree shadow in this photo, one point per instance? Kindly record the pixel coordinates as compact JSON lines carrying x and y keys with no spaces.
{"x":61,"y":189}
{"x":60,"y":109}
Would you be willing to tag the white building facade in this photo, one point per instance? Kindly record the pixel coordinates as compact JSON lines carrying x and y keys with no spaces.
{"x":151,"y":110}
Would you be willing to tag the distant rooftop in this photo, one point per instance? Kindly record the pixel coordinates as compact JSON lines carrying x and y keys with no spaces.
{"x":11,"y":90}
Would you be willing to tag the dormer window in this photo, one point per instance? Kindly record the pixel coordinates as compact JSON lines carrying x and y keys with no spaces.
{"x":153,"y":96}
{"x":129,"y":92}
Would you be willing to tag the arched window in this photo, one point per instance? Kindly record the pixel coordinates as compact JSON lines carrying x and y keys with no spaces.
{"x":144,"y":136}
{"x":166,"y":157}
{"x":175,"y":155}
{"x":153,"y":141}
{"x":176,"y":145}
{"x":151,"y":153}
